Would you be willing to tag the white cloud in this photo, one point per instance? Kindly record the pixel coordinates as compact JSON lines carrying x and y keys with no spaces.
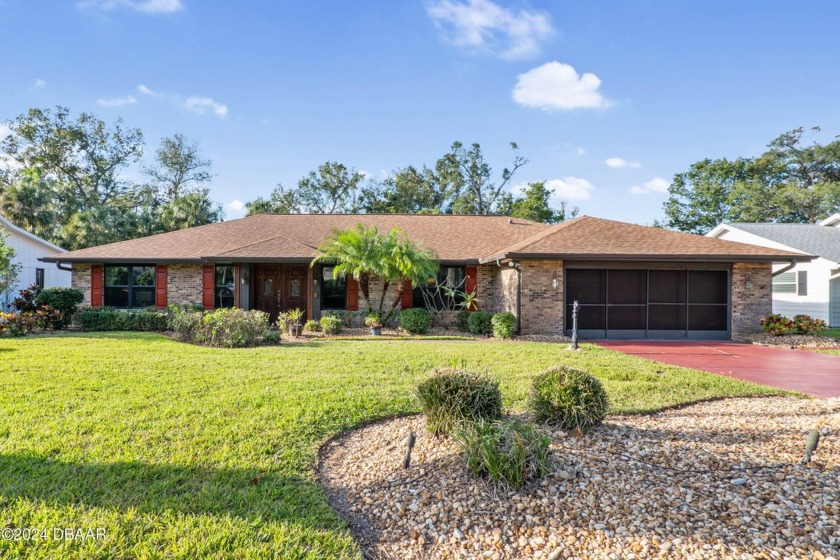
{"x":146,"y":91}
{"x":144,"y":6}
{"x":484,"y":26}
{"x":117,"y":101}
{"x":40,"y":84}
{"x":200,"y":105}
{"x":656,"y":185}
{"x":5,"y":130}
{"x":235,"y":208}
{"x":581,"y":151}
{"x":618,"y":163}
{"x":196,"y":104}
{"x":555,"y":86}
{"x":570,"y":188}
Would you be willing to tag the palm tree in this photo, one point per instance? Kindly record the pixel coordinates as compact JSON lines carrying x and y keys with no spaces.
{"x":364,"y":253}
{"x":354,"y":252}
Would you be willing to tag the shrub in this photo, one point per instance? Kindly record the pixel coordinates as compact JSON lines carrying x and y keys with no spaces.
{"x":479,"y":322}
{"x":510,"y":452}
{"x":373,"y":320}
{"x":568,"y":397}
{"x":187,"y":325}
{"x":232,"y":327}
{"x":415,"y":320}
{"x":805,"y":324}
{"x":462,"y":319}
{"x":776,"y":324}
{"x":330,"y":324}
{"x":108,"y":319}
{"x":312,"y":325}
{"x":271,"y":337}
{"x":65,"y":300}
{"x":504,"y":324}
{"x":26,"y":302}
{"x":16,"y":324}
{"x":283,"y":321}
{"x":452,"y":397}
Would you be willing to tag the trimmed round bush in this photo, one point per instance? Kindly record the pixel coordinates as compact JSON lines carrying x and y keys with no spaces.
{"x":480,"y":322}
{"x":415,"y":320}
{"x":569,"y":398}
{"x":452,"y":397}
{"x":509,"y":452}
{"x":504,"y":324}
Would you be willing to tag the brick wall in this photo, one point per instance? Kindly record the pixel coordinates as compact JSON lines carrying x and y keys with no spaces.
{"x":184,"y":284}
{"x":80,"y":279}
{"x":751,"y":296}
{"x":542,"y":304}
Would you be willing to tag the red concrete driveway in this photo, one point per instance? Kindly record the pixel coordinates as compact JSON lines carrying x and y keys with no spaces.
{"x":796,"y":370}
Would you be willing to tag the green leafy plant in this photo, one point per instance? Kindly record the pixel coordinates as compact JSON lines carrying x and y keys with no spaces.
{"x":479,"y":322}
{"x":109,"y":319}
{"x":373,"y":320}
{"x":330,"y":324}
{"x":26,"y":300}
{"x":452,"y":397}
{"x":776,"y":324}
{"x":568,"y":397}
{"x":295,"y":315}
{"x":462,"y":320}
{"x":186,"y":325}
{"x":504,"y":324}
{"x":233,"y":327}
{"x":415,"y":320}
{"x":805,"y":324}
{"x":65,"y":300}
{"x":312,"y":325}
{"x":271,"y":337}
{"x":510,"y":452}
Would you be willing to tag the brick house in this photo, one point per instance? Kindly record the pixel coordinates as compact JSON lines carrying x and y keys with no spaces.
{"x":630,"y":281}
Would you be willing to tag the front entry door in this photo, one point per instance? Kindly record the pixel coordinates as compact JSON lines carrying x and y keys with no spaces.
{"x":279,"y":289}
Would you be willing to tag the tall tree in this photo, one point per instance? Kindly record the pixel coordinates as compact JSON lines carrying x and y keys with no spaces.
{"x":469,"y":178}
{"x":534,"y":205}
{"x":281,"y":201}
{"x":178,"y":168}
{"x":188,"y":210}
{"x":406,"y":191}
{"x":332,"y":189}
{"x":790,"y":183}
{"x":82,"y":156}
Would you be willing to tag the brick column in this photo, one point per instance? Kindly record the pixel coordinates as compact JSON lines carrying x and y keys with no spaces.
{"x":752,"y":296}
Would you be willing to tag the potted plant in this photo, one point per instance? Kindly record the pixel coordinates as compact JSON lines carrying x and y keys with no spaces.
{"x":295,"y":326}
{"x":374,"y":321}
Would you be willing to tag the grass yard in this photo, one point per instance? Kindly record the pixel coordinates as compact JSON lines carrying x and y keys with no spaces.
{"x":189,"y":452}
{"x":833,"y":333}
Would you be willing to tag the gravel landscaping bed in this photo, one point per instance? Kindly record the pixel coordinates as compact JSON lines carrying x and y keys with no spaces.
{"x":793,"y":340}
{"x":653,"y":486}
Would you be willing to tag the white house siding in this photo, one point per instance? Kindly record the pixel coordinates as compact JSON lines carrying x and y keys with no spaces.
{"x":835,"y":303}
{"x":27,"y":253}
{"x":816,"y":303}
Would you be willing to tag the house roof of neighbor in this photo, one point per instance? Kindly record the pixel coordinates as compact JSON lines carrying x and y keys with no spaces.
{"x":815,"y":239}
{"x":455,"y":238}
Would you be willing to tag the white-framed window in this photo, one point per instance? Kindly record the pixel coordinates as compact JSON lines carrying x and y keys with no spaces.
{"x":791,"y":283}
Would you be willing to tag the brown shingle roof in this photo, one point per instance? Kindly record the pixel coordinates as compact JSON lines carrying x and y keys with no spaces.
{"x":296,"y":236}
{"x":454,"y":238}
{"x":588,"y":238}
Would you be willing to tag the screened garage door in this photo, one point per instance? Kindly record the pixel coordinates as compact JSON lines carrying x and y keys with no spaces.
{"x":648,"y":303}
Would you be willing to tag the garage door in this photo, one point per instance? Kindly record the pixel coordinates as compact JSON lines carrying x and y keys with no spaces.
{"x":649,"y":303}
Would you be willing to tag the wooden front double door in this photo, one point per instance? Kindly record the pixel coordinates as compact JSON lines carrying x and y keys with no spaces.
{"x":279,"y":288}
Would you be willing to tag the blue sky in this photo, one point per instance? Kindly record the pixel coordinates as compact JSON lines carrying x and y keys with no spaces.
{"x":608,"y":99}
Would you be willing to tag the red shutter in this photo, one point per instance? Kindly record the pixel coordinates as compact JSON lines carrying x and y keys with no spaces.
{"x":161,"y":276}
{"x":407,"y":300}
{"x":352,"y":294}
{"x":208,"y":286}
{"x":471,"y":282}
{"x":96,"y":281}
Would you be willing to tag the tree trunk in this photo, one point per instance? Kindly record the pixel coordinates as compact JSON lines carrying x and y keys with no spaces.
{"x":400,"y":290}
{"x":385,"y":285}
{"x":364,"y":287}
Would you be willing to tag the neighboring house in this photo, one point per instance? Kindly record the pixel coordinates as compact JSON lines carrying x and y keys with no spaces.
{"x":810,"y":287}
{"x":631,"y":281}
{"x":29,"y":249}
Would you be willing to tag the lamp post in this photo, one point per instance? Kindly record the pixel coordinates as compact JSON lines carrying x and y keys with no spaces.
{"x":575,"y":309}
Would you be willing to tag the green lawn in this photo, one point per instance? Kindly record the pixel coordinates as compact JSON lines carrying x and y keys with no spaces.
{"x":190,"y":452}
{"x":833,"y":333}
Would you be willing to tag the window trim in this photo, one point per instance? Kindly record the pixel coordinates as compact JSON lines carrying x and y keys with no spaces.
{"x":130,"y":286}
{"x":795,"y":283}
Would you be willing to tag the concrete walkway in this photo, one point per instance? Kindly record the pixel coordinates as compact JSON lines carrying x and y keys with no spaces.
{"x":795,"y":370}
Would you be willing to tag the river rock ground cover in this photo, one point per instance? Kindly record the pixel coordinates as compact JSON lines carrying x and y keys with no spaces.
{"x":720,"y":479}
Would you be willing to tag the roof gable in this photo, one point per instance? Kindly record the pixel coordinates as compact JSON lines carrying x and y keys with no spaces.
{"x":595,"y":238}
{"x":12,"y":228}
{"x":815,"y":239}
